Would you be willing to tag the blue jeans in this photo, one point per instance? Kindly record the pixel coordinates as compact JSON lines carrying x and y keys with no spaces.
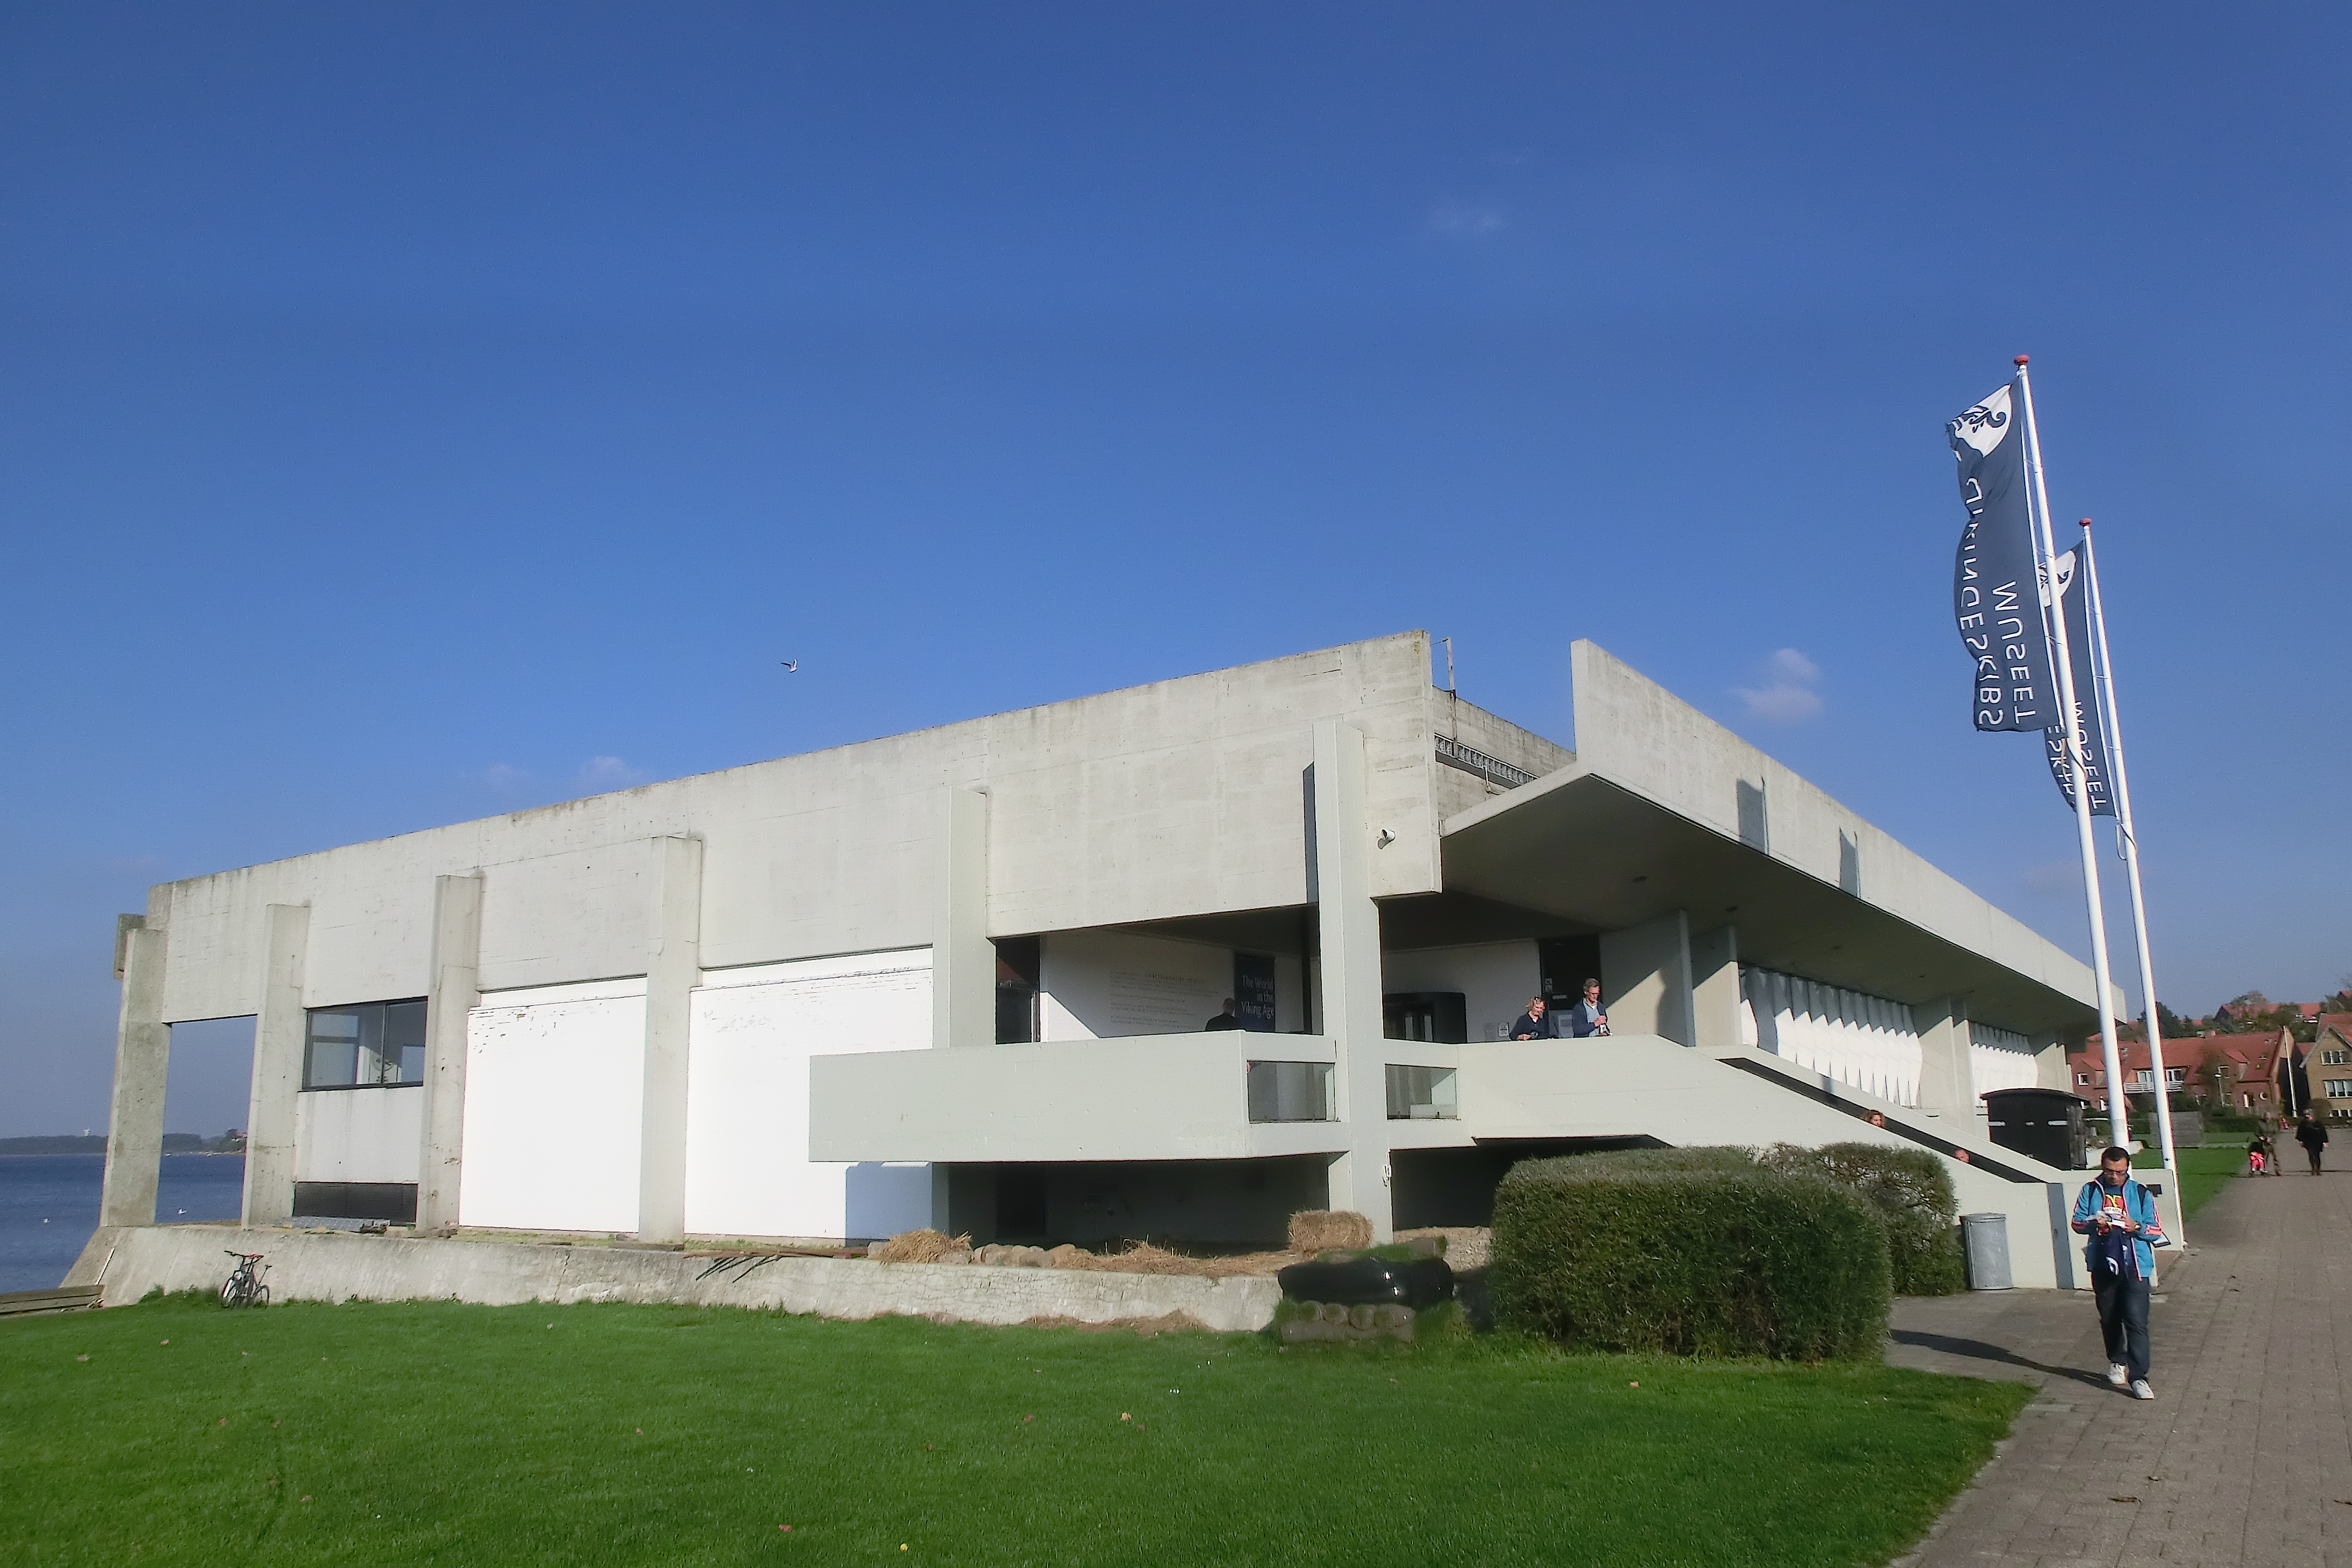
{"x":2122,"y":1319}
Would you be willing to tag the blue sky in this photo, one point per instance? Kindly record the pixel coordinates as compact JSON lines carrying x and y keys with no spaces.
{"x":408,"y":414}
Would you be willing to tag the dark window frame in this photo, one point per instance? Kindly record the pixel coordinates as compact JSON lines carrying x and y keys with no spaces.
{"x":360,"y":1046}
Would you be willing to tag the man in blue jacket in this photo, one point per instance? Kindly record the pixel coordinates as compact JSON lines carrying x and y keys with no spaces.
{"x":2119,"y":1217}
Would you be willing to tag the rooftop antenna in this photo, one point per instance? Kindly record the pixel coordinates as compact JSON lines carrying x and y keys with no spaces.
{"x":1449,"y":662}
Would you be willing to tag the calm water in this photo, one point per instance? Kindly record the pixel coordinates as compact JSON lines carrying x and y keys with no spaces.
{"x":48,"y":1207}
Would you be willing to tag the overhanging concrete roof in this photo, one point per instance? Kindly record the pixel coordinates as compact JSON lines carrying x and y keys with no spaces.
{"x":1633,"y":829}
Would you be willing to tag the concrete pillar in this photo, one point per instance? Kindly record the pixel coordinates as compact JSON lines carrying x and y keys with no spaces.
{"x":2050,"y":1070}
{"x":456,"y":979}
{"x":1350,"y":929}
{"x":280,"y":1032}
{"x":1947,"y":1079}
{"x":143,"y":1053}
{"x":1714,"y":990}
{"x":1646,"y":975}
{"x":963,"y":960}
{"x":673,"y":969}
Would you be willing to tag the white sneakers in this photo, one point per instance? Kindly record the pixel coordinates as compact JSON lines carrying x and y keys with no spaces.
{"x":2140,"y":1390}
{"x":2117,"y":1376}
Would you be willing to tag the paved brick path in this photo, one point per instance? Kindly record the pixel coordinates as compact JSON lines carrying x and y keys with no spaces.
{"x":2245,"y":1457}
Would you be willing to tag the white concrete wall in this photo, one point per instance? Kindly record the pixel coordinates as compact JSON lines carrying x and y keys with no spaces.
{"x":127,"y":1262}
{"x":359,"y":1134}
{"x":1866,"y":1042}
{"x":1643,"y":738}
{"x":747,"y":1145}
{"x":2002,"y":1059}
{"x":554,"y":1095}
{"x":1496,"y":979}
{"x":1108,"y":985}
{"x":1181,"y":798}
{"x":1169,"y":1097}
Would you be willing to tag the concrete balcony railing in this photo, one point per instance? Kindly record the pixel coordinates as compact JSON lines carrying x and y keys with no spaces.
{"x":1234,"y":1094}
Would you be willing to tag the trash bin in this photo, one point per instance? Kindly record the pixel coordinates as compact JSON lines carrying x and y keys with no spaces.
{"x":1984,"y":1237}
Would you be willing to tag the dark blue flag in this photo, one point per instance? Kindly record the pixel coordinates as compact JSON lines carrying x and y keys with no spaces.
{"x":1997,"y":595}
{"x":2075,"y":596}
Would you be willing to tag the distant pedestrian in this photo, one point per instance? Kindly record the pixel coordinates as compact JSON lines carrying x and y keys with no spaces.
{"x":1227,"y":1019}
{"x":2312,"y":1133}
{"x":2119,"y":1217}
{"x":1532,"y":1025}
{"x":1585,"y":1017}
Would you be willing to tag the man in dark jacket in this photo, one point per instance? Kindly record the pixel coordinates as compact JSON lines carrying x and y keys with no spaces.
{"x":2312,"y":1133}
{"x":1586,"y":1018}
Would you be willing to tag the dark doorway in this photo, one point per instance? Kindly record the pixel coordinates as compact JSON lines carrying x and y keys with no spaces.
{"x":1435,"y":1016}
{"x":1016,"y":990}
{"x":1456,"y":1186}
{"x":1567,"y":963}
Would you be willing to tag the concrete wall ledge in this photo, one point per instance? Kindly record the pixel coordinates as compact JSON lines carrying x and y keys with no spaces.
{"x":128,"y":1261}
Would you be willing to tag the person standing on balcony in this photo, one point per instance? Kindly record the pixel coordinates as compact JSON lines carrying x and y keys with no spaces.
{"x":1533,"y":1025}
{"x":1586,"y":1016}
{"x":1227,"y":1019}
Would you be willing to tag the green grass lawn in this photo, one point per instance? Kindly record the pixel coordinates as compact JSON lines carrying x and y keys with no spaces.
{"x":2204,"y":1171}
{"x":436,"y":1433}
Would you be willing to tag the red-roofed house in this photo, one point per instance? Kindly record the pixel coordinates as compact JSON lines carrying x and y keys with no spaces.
{"x":2239,"y":1071}
{"x":2331,"y":1067}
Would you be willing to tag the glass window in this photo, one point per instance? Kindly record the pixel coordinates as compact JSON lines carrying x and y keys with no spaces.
{"x":365,"y":1046}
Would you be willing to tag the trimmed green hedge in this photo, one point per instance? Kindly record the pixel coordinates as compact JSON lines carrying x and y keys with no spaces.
{"x":1697,"y":1157}
{"x":1912,"y":1190}
{"x":1713,"y":1258}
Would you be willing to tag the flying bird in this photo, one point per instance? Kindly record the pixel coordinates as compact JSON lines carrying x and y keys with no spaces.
{"x":792,"y":664}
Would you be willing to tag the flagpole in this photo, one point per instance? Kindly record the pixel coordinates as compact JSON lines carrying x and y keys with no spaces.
{"x":2118,"y":1108}
{"x":2103,"y":673}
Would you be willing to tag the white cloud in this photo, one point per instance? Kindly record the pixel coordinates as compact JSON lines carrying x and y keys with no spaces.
{"x":607,"y":772}
{"x":1788,"y":695}
{"x":1465,"y":220}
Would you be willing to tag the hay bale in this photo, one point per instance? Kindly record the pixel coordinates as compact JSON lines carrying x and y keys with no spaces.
{"x":1068,"y":1257}
{"x":920,"y":1247}
{"x":1320,"y":1230}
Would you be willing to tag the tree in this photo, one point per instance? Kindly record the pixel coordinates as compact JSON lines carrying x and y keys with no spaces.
{"x":2173,"y":1026}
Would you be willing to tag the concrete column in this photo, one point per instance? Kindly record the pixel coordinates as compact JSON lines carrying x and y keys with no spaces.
{"x":1714,"y":989}
{"x":2050,"y":1062}
{"x":1349,"y":928}
{"x":963,"y":960}
{"x":280,"y":1030}
{"x":143,"y":1053}
{"x":1646,"y":976}
{"x":457,"y":990}
{"x":673,"y":969}
{"x":1947,"y":1079}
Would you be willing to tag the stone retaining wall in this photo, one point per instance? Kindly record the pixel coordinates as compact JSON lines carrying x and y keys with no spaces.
{"x":128,"y":1261}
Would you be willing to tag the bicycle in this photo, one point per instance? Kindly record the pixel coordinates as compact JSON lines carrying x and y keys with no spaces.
{"x":244,"y":1287}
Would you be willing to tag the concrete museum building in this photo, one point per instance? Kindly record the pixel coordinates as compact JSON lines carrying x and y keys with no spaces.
{"x":960,"y":977}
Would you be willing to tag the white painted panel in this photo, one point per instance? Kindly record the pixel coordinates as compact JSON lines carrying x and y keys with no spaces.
{"x":554,"y":1099}
{"x":359,"y":1134}
{"x":1866,"y":1041}
{"x":1496,"y":979}
{"x":2001,"y":1059}
{"x":754,"y":1029}
{"x":1107,"y":984}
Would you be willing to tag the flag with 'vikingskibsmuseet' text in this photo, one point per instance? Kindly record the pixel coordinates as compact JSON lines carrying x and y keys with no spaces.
{"x":1997,"y":589}
{"x":2075,"y":600}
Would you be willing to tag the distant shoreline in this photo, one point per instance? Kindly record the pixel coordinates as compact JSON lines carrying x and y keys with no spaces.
{"x":69,"y":1143}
